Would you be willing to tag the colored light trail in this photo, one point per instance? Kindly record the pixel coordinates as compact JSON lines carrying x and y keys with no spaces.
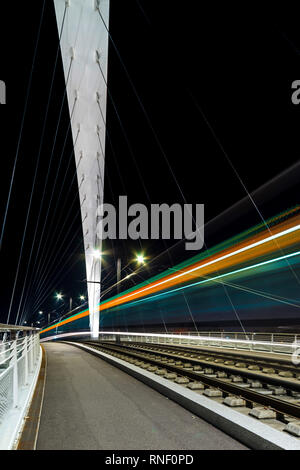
{"x":216,"y":260}
{"x":229,"y":261}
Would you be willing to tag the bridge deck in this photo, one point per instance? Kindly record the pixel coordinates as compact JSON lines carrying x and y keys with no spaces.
{"x":89,"y":404}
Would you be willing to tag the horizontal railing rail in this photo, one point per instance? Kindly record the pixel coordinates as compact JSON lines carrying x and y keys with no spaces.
{"x":257,"y":336}
{"x":269,"y":342}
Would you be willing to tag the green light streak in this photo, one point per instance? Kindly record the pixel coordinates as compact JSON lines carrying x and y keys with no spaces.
{"x":263,"y":263}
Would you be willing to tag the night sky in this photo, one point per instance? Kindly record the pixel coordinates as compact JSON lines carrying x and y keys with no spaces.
{"x":215,"y":85}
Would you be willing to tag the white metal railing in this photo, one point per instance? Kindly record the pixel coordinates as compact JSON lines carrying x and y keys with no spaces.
{"x":258,"y":336}
{"x":274,"y":343}
{"x":19,"y":365}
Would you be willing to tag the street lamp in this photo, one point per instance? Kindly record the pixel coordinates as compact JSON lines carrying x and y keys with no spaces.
{"x":140,"y":258}
{"x":41,"y":313}
{"x":58,"y":296}
{"x":97,"y":254}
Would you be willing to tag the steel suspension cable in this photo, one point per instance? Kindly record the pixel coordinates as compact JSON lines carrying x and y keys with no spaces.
{"x":35,"y":174}
{"x":22,"y":126}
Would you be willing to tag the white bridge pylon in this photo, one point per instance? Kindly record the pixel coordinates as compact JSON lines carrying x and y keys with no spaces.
{"x":84,"y":50}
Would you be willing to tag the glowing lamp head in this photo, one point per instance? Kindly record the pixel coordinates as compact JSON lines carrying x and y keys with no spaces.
{"x":97,"y":254}
{"x":59,"y":296}
{"x":140,"y":259}
{"x":82,"y":297}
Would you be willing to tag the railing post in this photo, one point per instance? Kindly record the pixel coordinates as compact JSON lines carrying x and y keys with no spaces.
{"x":37,"y":345}
{"x":30,"y":352}
{"x":33,"y":349}
{"x":26,"y":359}
{"x":15,"y":374}
{"x":272,"y":341}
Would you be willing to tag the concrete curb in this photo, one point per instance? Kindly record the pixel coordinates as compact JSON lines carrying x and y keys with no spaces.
{"x":245,"y":429}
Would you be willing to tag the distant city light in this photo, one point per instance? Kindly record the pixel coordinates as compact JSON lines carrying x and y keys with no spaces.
{"x":82,"y":297}
{"x":40,"y":312}
{"x":59,"y":296}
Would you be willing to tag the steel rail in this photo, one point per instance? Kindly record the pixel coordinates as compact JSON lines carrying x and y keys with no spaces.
{"x":283,"y":363}
{"x":279,"y":406}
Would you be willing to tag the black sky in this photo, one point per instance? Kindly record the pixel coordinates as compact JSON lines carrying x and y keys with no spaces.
{"x":215,"y":84}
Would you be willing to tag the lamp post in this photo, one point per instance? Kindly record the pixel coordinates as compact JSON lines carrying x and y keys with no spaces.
{"x":140,"y":259}
{"x":118,"y":274}
{"x":59,"y":296}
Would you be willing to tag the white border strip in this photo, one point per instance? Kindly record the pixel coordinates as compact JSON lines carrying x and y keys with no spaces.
{"x":42,"y":402}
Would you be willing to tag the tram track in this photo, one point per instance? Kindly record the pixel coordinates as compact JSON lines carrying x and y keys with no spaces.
{"x":277,"y":371}
{"x":252,"y":390}
{"x":278,"y":361}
